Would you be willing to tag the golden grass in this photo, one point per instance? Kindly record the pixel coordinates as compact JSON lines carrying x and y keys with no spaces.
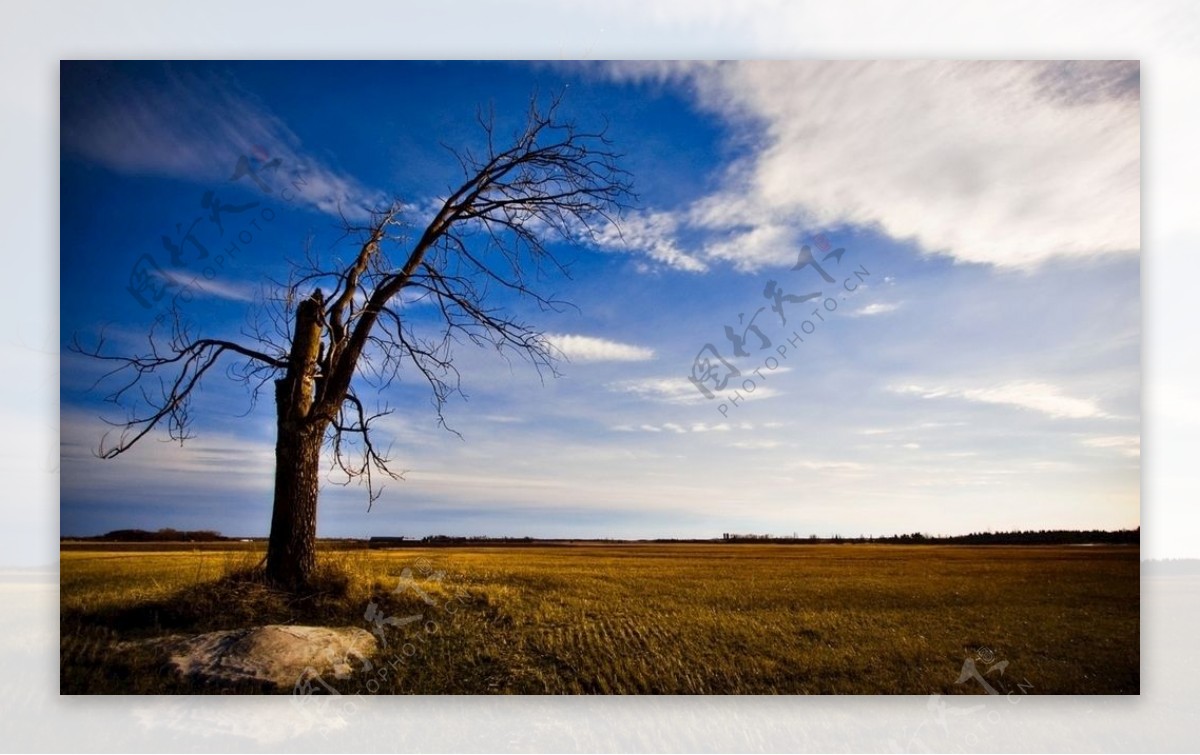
{"x":647,"y":618}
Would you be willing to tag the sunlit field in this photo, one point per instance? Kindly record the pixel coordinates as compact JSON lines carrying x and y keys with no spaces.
{"x":637,"y":618}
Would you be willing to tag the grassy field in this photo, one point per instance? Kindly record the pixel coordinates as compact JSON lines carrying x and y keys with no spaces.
{"x":640,"y":618}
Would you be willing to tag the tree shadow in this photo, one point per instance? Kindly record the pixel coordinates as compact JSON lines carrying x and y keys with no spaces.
{"x":101,"y":652}
{"x":240,"y":598}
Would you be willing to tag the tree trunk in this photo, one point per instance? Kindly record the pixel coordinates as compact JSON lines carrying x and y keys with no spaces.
{"x":292,"y":548}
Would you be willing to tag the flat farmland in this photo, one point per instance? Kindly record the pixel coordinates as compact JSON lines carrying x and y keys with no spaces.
{"x":637,"y":618}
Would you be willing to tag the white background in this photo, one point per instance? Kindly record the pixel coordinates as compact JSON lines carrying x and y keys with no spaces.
{"x":35,"y":36}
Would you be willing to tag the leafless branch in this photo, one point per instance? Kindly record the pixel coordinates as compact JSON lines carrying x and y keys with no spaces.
{"x":495,"y":233}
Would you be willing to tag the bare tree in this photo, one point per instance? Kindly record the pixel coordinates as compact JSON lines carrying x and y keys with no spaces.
{"x":552,"y":183}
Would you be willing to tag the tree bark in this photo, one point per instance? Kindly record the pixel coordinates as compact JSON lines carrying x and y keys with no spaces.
{"x":292,"y":548}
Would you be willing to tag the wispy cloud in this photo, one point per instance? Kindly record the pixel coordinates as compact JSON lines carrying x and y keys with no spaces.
{"x":1045,"y":398}
{"x":875,"y":308}
{"x":197,"y":128}
{"x":651,"y":234}
{"x":704,"y":427}
{"x":199,"y":286}
{"x":673,"y":390}
{"x":578,"y":348}
{"x":1128,"y":445}
{"x":677,"y":390}
{"x":212,"y":463}
{"x":826,"y":466}
{"x":1006,"y":163}
{"x":503,"y":419}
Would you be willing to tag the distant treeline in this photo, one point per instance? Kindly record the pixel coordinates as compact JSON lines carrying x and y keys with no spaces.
{"x":442,"y":540}
{"x":165,"y":535}
{"x":1015,"y":537}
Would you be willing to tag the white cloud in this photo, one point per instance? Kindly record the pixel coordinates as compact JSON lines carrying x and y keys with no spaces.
{"x":1041,"y":397}
{"x":197,"y":285}
{"x":765,"y":244}
{"x":652,"y":234}
{"x":672,"y":390}
{"x":668,"y":427}
{"x":704,"y":427}
{"x":504,"y":419}
{"x":827,"y":466}
{"x":1006,"y":163}
{"x":1128,"y":445}
{"x":681,"y":390}
{"x":643,"y":71}
{"x":588,"y":349}
{"x":876,"y":308}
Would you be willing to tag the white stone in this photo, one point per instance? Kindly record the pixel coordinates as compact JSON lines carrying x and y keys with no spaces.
{"x":276,"y":655}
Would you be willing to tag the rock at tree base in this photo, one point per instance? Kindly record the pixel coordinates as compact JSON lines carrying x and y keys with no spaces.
{"x":275,"y":656}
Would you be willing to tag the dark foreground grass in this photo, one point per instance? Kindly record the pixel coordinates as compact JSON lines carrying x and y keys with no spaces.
{"x":638,"y":618}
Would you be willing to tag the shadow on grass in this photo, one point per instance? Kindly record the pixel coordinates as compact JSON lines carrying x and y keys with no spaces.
{"x":99,"y":653}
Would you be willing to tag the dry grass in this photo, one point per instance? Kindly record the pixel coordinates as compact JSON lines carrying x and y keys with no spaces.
{"x":644,"y":618}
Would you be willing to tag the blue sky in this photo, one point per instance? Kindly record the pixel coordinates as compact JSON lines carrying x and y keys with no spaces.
{"x":983,"y":373}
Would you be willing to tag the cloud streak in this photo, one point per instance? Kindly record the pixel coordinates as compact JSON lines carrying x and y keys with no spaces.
{"x":198,"y":285}
{"x":1045,"y":398}
{"x":674,"y":390}
{"x":577,"y":348}
{"x":876,"y":308}
{"x":197,"y":128}
{"x":1127,"y":445}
